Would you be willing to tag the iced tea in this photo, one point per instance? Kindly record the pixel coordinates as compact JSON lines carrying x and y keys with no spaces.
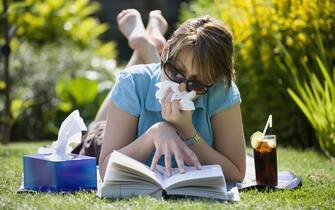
{"x":265,"y":156}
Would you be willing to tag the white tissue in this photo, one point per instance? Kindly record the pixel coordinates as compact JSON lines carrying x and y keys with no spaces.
{"x":185,"y":97}
{"x":70,"y":127}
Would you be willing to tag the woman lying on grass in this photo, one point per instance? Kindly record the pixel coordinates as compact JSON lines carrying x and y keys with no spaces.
{"x":199,"y":57}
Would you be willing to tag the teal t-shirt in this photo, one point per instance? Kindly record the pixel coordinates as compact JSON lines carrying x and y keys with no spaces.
{"x":134,"y":92}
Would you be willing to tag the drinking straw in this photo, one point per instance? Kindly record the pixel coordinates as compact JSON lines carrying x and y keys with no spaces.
{"x":268,"y":123}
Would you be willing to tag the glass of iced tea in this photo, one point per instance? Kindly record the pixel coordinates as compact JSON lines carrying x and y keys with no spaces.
{"x":265,"y":157}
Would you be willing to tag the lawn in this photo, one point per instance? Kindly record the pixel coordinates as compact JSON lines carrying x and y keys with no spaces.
{"x":317,"y":192}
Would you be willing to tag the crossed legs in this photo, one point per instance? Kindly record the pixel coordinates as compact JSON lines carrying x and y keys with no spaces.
{"x":147,"y":43}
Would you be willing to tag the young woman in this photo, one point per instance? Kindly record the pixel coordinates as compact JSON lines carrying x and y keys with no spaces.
{"x":199,"y":57}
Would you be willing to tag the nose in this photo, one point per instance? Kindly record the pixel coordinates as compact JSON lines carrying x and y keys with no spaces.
{"x":182,"y":86}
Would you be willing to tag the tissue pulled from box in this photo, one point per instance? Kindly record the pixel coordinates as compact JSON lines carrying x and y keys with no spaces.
{"x":185,"y":97}
{"x":72,"y":126}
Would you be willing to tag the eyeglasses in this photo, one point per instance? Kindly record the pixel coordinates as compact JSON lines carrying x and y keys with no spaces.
{"x":175,"y":75}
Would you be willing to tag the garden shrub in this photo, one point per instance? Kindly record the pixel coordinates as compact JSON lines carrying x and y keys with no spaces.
{"x":55,"y":41}
{"x":257,"y":26}
{"x":315,"y":95}
{"x":48,"y":21}
{"x":39,"y":76}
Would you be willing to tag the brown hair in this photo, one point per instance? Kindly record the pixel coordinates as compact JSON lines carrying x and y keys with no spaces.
{"x":211,"y":44}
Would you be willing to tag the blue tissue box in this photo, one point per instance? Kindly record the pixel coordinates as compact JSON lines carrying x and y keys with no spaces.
{"x":42,"y":174}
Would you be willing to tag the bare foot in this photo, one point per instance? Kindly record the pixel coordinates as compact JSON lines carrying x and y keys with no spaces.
{"x":131,"y":25}
{"x":156,"y":27}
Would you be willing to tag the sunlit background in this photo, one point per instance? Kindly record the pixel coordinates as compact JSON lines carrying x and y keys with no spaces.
{"x":65,"y":55}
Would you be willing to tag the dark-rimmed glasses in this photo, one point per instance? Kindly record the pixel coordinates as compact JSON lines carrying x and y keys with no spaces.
{"x":176,"y":75}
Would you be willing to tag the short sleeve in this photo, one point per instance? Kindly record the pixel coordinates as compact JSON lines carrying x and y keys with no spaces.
{"x":124,"y":94}
{"x":221,"y":98}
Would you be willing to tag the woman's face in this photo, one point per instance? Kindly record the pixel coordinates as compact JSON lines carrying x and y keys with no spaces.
{"x":184,"y":65}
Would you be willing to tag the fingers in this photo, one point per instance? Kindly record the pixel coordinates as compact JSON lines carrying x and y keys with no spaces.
{"x":167,"y":96}
{"x":192,"y":159}
{"x":167,"y":110}
{"x":175,"y":109}
{"x":155,"y":159}
{"x":180,"y":163}
{"x":166,"y":105}
{"x":168,"y":163}
{"x":170,"y":109}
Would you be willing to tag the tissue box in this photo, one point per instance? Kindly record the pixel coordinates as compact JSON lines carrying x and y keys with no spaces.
{"x":42,"y":174}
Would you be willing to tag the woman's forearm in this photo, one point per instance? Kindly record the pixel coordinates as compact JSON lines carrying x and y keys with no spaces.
{"x":207,"y":155}
{"x":139,"y":149}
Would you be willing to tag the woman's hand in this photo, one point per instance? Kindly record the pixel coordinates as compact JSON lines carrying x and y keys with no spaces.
{"x":168,"y":143}
{"x":181,"y":119}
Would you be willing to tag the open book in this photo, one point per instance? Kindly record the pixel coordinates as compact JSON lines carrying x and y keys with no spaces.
{"x":125,"y":177}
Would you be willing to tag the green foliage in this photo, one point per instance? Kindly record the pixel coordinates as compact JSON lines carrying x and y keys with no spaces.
{"x":257,"y":26}
{"x":316,"y":99}
{"x":56,"y":43}
{"x":52,"y":81}
{"x":80,"y":89}
{"x":80,"y":93}
{"x":18,"y":106}
{"x":45,"y":21}
{"x":2,"y":85}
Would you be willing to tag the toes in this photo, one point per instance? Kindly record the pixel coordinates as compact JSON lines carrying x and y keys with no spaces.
{"x":153,"y":12}
{"x":156,"y":19}
{"x":127,"y":12}
{"x":120,"y":15}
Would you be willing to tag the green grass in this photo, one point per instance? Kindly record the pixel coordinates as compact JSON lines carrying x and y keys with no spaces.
{"x":318,"y":191}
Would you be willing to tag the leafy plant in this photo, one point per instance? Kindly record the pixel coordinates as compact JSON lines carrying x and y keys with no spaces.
{"x":44,"y":21}
{"x":41,"y":105}
{"x":256,"y":26}
{"x":315,"y":96}
{"x":54,"y":40}
{"x":317,"y":102}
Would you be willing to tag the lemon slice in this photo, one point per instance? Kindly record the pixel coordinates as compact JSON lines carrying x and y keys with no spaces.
{"x":256,"y":139}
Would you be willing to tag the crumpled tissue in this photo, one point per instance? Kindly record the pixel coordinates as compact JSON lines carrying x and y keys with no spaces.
{"x":185,"y":97}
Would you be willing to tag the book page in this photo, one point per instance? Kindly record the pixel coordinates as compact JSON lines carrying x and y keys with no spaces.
{"x":213,"y":193}
{"x":208,"y":175}
{"x":123,"y":183}
{"x":132,"y":166}
{"x":128,"y":190}
{"x":118,"y":174}
{"x":220,"y":193}
{"x":160,"y":170}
